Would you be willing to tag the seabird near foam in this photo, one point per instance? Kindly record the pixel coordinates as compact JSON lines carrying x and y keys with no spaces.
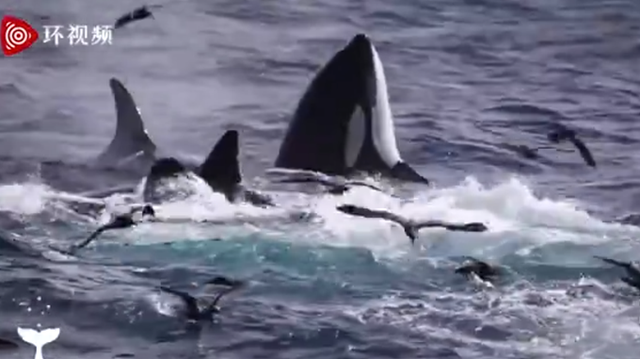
{"x":195,"y":310}
{"x":633,"y":272}
{"x":334,"y":185}
{"x":343,"y":122}
{"x":531,"y":152}
{"x":478,"y":271}
{"x":410,"y":227}
{"x":565,"y":134}
{"x":121,"y":221}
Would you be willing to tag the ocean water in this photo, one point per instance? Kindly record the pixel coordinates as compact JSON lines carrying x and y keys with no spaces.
{"x":464,"y":77}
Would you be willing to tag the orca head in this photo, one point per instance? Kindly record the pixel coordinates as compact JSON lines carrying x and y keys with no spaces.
{"x":131,"y":145}
{"x":161,"y":171}
{"x":166,"y":167}
{"x":343,"y":122}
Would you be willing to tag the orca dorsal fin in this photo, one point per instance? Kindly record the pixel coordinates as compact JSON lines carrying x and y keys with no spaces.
{"x":221,"y":168}
{"x":131,"y":137}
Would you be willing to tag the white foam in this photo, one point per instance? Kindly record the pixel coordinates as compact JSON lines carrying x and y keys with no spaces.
{"x":547,"y":320}
{"x":516,"y":217}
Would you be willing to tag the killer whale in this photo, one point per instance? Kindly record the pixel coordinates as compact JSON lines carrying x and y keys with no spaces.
{"x":220,"y":170}
{"x":131,"y":144}
{"x":126,"y":159}
{"x":132,"y":150}
{"x":343,"y":122}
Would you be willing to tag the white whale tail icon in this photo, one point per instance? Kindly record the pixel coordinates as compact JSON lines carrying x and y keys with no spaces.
{"x":38,"y":339}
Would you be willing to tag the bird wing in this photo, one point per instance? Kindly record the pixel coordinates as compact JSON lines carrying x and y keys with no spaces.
{"x":123,"y":20}
{"x":631,"y":281}
{"x":364,"y":184}
{"x":560,"y":133}
{"x":225,"y":292}
{"x":309,"y":179}
{"x":584,"y":151}
{"x":371,"y":213}
{"x":139,"y":13}
{"x":409,"y":227}
{"x":621,"y":264}
{"x":220,"y":295}
{"x":430,"y":224}
{"x":89,"y":239}
{"x":220,"y":280}
{"x":233,"y":286}
{"x":188,"y":299}
{"x":450,"y":226}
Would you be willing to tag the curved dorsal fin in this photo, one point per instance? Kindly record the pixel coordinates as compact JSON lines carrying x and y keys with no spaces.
{"x":131,"y":138}
{"x":221,"y":169}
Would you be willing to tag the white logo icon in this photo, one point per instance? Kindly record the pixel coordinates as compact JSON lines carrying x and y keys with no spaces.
{"x":38,"y":339}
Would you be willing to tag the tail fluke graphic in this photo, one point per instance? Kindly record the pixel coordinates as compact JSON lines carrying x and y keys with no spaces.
{"x":38,"y":339}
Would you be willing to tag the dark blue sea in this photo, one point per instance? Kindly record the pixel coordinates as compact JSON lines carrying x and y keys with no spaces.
{"x":464,"y":78}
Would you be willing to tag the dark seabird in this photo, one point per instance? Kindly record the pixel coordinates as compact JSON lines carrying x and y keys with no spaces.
{"x":566,"y":134}
{"x":531,"y":152}
{"x":482,"y":270}
{"x":335,"y":185}
{"x":118,"y":222}
{"x":137,"y":14}
{"x":192,"y":308}
{"x":410,"y":227}
{"x":633,"y":274}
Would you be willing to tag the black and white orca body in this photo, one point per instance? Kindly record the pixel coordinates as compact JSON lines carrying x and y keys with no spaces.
{"x":343,"y":123}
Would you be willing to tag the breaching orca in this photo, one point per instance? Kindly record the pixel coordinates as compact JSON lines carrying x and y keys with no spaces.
{"x":131,"y":142}
{"x":343,"y":122}
{"x":220,"y":170}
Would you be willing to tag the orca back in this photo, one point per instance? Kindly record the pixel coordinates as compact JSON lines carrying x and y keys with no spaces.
{"x":131,"y":142}
{"x":221,"y":168}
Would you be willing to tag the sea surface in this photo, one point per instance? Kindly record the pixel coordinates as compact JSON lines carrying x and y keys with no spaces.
{"x":465,"y":78}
